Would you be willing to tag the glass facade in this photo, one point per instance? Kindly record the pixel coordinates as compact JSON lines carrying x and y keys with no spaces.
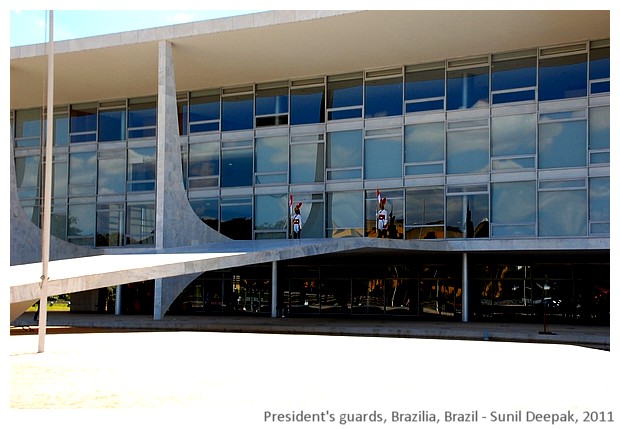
{"x":509,"y":145}
{"x":564,"y":289}
{"x":484,"y":147}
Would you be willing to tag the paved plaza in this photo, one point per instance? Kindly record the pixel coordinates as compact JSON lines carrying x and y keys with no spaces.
{"x":216,"y":379}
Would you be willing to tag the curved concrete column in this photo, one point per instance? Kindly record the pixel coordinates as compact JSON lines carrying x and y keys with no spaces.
{"x":169,"y":288}
{"x":177,"y":224}
{"x":26,"y":236}
{"x":26,"y":239}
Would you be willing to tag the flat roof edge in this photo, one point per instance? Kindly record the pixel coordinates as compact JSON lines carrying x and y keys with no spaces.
{"x":176,"y":31}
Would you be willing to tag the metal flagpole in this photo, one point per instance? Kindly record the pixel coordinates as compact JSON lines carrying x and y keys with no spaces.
{"x":290,"y":216}
{"x":47,"y":193}
{"x":377,"y":212}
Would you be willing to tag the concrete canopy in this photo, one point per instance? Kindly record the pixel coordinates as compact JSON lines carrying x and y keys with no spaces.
{"x":282,"y":45}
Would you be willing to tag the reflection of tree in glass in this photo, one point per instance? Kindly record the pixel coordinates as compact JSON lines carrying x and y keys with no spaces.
{"x":72,"y":229}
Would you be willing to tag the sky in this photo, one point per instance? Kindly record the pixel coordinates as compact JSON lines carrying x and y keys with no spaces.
{"x":31,"y":26}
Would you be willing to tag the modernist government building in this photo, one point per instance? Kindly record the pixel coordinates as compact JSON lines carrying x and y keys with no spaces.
{"x":485,"y":133}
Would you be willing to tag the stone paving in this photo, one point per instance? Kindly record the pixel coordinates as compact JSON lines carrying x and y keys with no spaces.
{"x":215,"y":379}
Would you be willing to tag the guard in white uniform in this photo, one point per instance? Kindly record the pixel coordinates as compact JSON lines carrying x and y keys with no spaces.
{"x":296,"y":221}
{"x":382,"y":221}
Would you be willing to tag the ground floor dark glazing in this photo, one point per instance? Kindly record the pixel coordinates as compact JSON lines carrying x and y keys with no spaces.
{"x":573,"y":287}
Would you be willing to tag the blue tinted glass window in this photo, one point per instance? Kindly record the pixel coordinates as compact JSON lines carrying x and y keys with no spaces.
{"x":141,"y":133}
{"x":238,"y":113}
{"x":206,"y":127}
{"x":236,"y":220}
{"x":203,"y":160}
{"x":61,"y":129}
{"x":599,"y":63}
{"x":344,"y":149}
{"x":383,"y":158}
{"x":307,"y":163}
{"x":237,"y":167}
{"x":308,"y":106}
{"x":28,"y":123}
{"x":270,"y":212}
{"x":517,"y":73}
{"x":425,"y":84}
{"x":599,"y":127}
{"x":272,"y":101}
{"x":424,"y":142}
{"x":28,"y":171}
{"x":345,"y":214}
{"x":506,"y":196}
{"x":599,"y":199}
{"x":599,"y":87}
{"x":82,"y":173}
{"x":570,"y":220}
{"x":112,"y":125}
{"x":207,"y":210}
{"x":271,"y":106}
{"x":81,"y":223}
{"x":142,"y":115}
{"x":562,"y":144}
{"x":468,"y":151}
{"x":424,"y":106}
{"x":563,"y":77}
{"x":140,"y":223}
{"x":468,"y":88}
{"x":271,"y":154}
{"x":513,"y":135}
{"x":513,"y":97}
{"x":112,"y":173}
{"x":345,"y":114}
{"x":204,"y":108}
{"x":142,"y":164}
{"x":83,"y":119}
{"x":345,"y":93}
{"x":384,"y":97}
{"x":183,"y":116}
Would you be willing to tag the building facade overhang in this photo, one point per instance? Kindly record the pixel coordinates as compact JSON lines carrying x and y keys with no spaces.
{"x":283,"y":45}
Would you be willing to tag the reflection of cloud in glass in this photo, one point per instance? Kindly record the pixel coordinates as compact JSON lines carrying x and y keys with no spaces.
{"x":112,"y":176}
{"x":599,"y":199}
{"x":83,"y":168}
{"x":562,"y":213}
{"x":346,"y":210}
{"x":601,"y":119}
{"x":271,"y":154}
{"x":345,"y":149}
{"x":562,"y":144}
{"x":468,"y":151}
{"x":549,"y":134}
{"x":513,"y":135}
{"x":271,"y":212}
{"x":514,"y":202}
{"x":424,"y":142}
{"x":306,"y":163}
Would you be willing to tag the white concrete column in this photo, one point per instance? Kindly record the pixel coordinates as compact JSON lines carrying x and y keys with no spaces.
{"x":117,"y":301}
{"x":465,"y":294}
{"x":158,"y":299}
{"x":274,"y":289}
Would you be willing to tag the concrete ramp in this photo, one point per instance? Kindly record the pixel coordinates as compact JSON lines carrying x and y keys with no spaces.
{"x":94,"y":272}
